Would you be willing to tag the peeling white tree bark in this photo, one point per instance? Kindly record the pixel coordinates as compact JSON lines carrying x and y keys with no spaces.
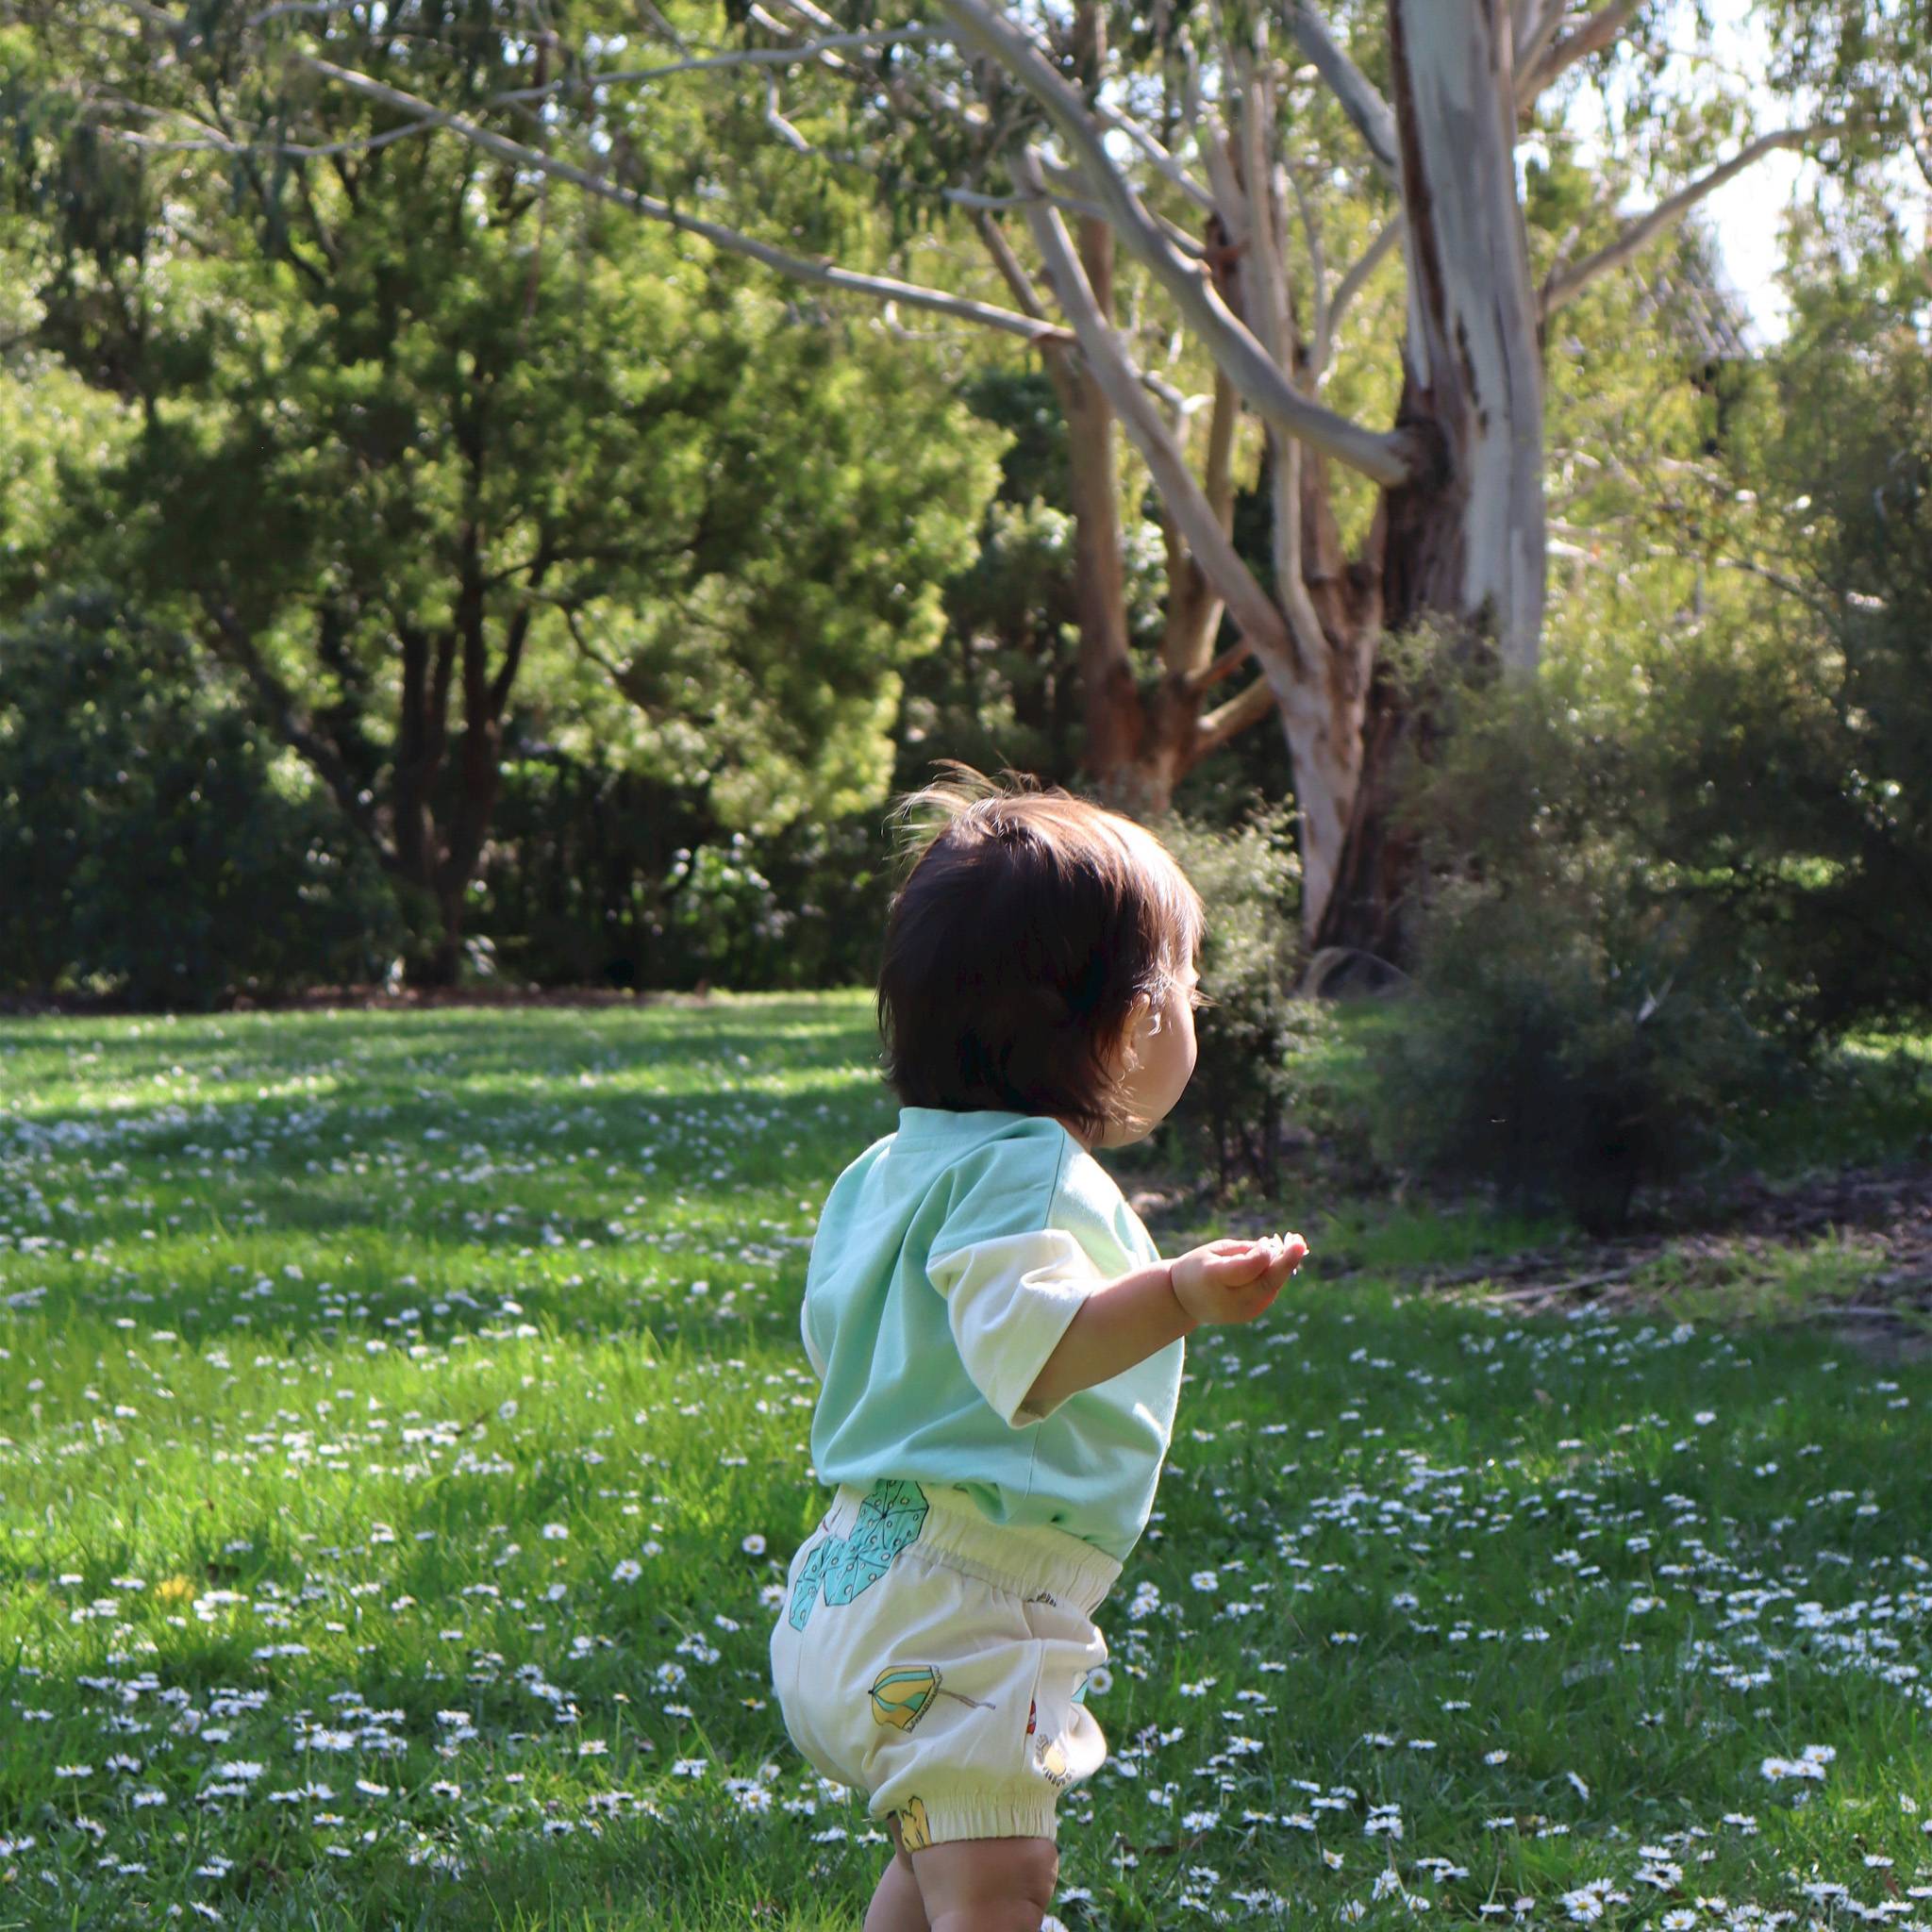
{"x":1475,"y":363}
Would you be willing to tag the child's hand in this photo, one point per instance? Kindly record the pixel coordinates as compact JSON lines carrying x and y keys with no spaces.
{"x":1235,"y":1281}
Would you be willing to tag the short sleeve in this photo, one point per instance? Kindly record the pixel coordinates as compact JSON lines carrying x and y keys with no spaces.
{"x":813,"y":1353}
{"x":1009,"y":1298}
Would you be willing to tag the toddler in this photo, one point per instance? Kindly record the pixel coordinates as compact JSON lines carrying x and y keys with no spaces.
{"x":999,"y":1345}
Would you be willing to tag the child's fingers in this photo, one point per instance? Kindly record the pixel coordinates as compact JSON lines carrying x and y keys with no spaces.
{"x":1248,"y":1263}
{"x":1293,"y":1253}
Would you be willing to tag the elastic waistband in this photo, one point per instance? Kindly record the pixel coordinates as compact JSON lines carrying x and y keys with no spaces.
{"x":1026,"y":1559}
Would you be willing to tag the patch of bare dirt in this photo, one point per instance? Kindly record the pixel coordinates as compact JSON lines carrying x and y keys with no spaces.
{"x":1879,"y":1220}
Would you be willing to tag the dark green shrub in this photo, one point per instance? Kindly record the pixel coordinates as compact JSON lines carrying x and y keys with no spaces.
{"x":154,"y":845}
{"x":1564,"y":1047}
{"x":1256,"y":1027}
{"x":1576,"y":1025}
{"x":595,"y":875}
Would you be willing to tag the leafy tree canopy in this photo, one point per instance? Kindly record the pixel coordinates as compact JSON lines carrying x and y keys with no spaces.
{"x":432,"y":452}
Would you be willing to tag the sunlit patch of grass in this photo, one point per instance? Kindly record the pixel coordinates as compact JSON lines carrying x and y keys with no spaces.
{"x":403,"y":1434}
{"x":1425,"y":1236}
{"x":1762,"y":1281}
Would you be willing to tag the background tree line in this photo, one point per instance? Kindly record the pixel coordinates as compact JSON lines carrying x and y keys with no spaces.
{"x":519,"y":484}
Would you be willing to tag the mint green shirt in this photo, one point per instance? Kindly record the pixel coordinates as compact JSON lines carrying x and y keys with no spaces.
{"x":949,"y":1259}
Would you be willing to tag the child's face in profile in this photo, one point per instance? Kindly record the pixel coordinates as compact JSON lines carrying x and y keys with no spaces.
{"x":1160,"y":1061}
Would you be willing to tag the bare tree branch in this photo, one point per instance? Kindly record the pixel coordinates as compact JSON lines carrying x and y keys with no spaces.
{"x":1211,"y":139}
{"x":1351,"y":285}
{"x":1596,"y":33}
{"x":1383,"y":456}
{"x":1373,"y":118}
{"x":776,"y":120}
{"x":800,"y":268}
{"x":292,"y":150}
{"x":1534,"y":26}
{"x":742,"y":56}
{"x":1264,"y":286}
{"x":1563,"y":284}
{"x":1168,"y":163}
{"x":1193,"y":604}
{"x":1107,"y":362}
{"x":1088,"y":210}
{"x":1249,"y":706}
{"x":1010,"y":266}
{"x":1223,"y":667}
{"x":816,"y":15}
{"x":1318,"y":261}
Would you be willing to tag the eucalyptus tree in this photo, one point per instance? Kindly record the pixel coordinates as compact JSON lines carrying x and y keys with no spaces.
{"x":431,"y":456}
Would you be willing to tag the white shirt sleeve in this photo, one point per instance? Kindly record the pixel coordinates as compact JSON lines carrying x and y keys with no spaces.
{"x":814,"y":1354}
{"x":1009,"y":1301}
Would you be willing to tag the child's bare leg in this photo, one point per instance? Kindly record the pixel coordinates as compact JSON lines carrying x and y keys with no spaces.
{"x":987,"y":1884}
{"x":896,"y":1906}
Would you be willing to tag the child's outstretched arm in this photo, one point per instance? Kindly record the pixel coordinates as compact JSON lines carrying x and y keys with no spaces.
{"x":1141,"y":1313}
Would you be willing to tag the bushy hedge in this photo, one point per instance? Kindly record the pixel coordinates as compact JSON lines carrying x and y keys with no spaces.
{"x":1585,"y":1015}
{"x":155,"y":844}
{"x":1254,"y":1028}
{"x":1696,"y":852}
{"x":595,"y":875}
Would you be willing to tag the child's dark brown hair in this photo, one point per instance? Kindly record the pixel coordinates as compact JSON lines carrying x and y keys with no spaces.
{"x":1029,"y":927}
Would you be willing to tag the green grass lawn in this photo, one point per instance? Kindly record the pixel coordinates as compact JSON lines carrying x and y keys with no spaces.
{"x":403,"y":1436}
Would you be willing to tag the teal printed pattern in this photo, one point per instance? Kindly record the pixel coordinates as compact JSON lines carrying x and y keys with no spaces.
{"x":891,"y":1517}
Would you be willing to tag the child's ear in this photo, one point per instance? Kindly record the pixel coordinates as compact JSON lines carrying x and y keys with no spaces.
{"x":1138,"y":1017}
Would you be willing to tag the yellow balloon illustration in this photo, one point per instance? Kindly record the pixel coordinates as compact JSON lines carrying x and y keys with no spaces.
{"x":902,"y":1696}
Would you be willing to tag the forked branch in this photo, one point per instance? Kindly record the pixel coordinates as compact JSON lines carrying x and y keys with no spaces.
{"x":1260,"y":622}
{"x":1565,"y":283}
{"x":1593,"y":36}
{"x":1383,"y":456}
{"x":1374,"y":119}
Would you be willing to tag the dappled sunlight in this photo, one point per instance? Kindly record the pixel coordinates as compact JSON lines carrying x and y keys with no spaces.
{"x":417,"y":1519}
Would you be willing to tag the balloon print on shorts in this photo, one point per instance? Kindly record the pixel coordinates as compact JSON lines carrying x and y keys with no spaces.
{"x":903,"y":1693}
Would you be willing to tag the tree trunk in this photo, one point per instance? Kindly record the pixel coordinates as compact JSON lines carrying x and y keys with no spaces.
{"x":1461,"y":543}
{"x":1110,"y":700}
{"x":443,"y":964}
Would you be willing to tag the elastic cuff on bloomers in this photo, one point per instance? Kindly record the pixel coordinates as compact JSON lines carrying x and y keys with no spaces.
{"x":942,"y":1824}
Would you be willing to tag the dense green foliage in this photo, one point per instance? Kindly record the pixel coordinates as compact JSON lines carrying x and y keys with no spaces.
{"x":1255,"y":1027}
{"x":154,"y":840}
{"x":440,"y":462}
{"x":1853,"y":461}
{"x":1692,"y":853}
{"x":1575,"y":1027}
